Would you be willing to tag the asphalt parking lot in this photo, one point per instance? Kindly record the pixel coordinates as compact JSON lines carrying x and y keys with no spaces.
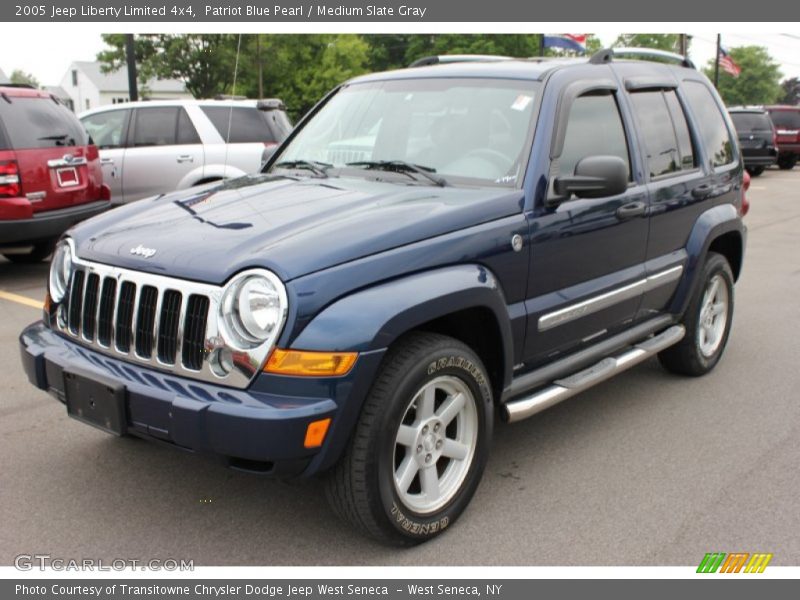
{"x":645,"y":469}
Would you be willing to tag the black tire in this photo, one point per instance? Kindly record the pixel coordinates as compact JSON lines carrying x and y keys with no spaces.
{"x":755,"y":171}
{"x":687,"y":357}
{"x":40,"y":252}
{"x":787,"y":161}
{"x":361,"y":488}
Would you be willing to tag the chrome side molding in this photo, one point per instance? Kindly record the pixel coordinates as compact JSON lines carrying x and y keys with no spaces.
{"x":598,"y":303}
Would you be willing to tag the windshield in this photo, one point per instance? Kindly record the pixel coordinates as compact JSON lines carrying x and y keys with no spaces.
{"x":466,"y":130}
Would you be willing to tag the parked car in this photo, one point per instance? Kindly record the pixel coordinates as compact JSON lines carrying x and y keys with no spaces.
{"x":153,"y":147}
{"x":787,"y":124}
{"x":757,"y":138}
{"x":50,"y":175}
{"x":519,"y":232}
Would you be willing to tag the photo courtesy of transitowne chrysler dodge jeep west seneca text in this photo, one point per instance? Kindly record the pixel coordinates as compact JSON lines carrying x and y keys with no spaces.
{"x":431,"y":249}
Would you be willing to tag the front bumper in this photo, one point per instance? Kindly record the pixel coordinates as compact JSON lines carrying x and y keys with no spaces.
{"x":250,"y":430}
{"x":49,"y":224}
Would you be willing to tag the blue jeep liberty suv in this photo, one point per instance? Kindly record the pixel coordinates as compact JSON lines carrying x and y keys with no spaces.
{"x":431,"y":249}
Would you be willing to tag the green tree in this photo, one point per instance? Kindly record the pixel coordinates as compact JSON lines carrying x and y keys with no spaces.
{"x":670,"y":42}
{"x":758,"y":82}
{"x":791,"y":91}
{"x":204,"y":62}
{"x":21,"y":77}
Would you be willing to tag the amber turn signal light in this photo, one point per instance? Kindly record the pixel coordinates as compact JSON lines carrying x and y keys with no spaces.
{"x":310,"y":364}
{"x":315,"y":433}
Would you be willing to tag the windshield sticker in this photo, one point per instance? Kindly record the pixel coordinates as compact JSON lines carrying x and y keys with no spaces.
{"x":521,"y":103}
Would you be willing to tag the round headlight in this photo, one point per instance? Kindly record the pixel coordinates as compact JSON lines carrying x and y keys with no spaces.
{"x":60,"y":271}
{"x":252,"y":310}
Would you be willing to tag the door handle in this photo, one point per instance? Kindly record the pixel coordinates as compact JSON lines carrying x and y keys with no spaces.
{"x":702,"y":191}
{"x":632,"y":209}
{"x":106,"y":161}
{"x":185,"y":158}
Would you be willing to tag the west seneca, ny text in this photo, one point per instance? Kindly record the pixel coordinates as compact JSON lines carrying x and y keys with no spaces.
{"x":191,"y":11}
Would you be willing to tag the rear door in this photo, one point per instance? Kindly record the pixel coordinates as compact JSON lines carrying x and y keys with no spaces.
{"x":163,"y":148}
{"x":673,"y":177}
{"x":109,"y":131}
{"x":51,"y":151}
{"x":755,"y":133}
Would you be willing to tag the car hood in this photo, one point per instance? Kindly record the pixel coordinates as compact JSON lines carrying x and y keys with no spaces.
{"x":290,"y":226}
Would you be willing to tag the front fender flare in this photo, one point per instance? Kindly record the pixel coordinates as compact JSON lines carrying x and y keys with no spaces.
{"x":375,"y":317}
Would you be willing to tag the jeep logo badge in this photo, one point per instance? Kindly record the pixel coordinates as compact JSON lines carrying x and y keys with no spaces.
{"x":142,"y":251}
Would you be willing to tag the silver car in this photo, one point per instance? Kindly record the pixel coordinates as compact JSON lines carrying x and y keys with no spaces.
{"x":152,"y":147}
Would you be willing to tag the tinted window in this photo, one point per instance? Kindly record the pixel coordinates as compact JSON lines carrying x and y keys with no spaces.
{"x":785,"y":119}
{"x":155,"y":126}
{"x":594,"y":128}
{"x":665,"y":132}
{"x":713,"y":130}
{"x":247,"y":124}
{"x":187,"y":134}
{"x":681,"y":129}
{"x":107,"y":129}
{"x":40,"y":123}
{"x":751,"y":121}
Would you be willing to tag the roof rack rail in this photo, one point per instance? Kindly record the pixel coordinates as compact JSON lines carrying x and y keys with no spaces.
{"x":606,"y":55}
{"x":24,"y":86}
{"x":455,"y":58}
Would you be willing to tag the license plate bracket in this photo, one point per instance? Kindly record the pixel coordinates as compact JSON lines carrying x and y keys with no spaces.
{"x":67,"y":177}
{"x":96,"y":401}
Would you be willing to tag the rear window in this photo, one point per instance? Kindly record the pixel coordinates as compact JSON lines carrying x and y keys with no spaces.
{"x":33,"y":122}
{"x":713,"y":131}
{"x":751,"y":121}
{"x":785,"y":119}
{"x":248,"y":124}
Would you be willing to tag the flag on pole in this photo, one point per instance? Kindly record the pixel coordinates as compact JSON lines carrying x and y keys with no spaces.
{"x":569,"y":41}
{"x":727,"y":63}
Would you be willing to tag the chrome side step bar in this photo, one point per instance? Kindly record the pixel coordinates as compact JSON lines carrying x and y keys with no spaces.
{"x":561,"y":389}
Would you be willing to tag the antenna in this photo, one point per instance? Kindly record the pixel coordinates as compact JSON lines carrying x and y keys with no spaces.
{"x":230,"y":109}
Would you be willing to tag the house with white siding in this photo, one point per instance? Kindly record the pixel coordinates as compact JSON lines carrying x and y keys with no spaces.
{"x":88,"y":87}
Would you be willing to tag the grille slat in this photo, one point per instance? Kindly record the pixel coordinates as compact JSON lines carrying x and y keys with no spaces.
{"x":194,"y":332}
{"x":105,"y":314}
{"x":168,"y":326}
{"x":76,"y":302}
{"x":145,"y":321}
{"x":90,"y":306}
{"x":125,"y":310}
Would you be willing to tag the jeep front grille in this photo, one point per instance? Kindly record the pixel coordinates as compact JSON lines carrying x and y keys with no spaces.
{"x":156,"y":321}
{"x":146,"y":321}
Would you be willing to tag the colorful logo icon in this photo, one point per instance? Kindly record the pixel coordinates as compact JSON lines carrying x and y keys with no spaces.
{"x":736,"y":562}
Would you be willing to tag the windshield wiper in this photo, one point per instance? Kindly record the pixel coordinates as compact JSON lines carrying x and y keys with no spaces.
{"x":401,"y":166}
{"x":58,"y":138}
{"x":315,"y":166}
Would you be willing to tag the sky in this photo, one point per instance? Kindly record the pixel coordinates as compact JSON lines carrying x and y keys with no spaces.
{"x":19,"y":49}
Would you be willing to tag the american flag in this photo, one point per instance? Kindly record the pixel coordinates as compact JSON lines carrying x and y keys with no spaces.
{"x":727,"y":63}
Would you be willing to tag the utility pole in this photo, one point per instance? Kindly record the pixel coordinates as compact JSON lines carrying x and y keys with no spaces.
{"x":541,"y":45}
{"x":260,"y":67}
{"x":130,"y":57}
{"x":716,"y":60}
{"x":683,"y":46}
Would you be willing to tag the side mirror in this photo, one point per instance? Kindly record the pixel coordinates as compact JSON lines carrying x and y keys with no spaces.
{"x":595,"y":177}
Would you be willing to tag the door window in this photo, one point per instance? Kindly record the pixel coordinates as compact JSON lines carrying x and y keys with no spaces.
{"x":163,"y":126}
{"x":107,"y":129}
{"x":594,"y":128}
{"x":665,"y":132}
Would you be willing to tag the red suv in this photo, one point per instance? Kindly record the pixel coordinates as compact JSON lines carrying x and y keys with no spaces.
{"x":50,"y":176}
{"x":787,"y":123}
